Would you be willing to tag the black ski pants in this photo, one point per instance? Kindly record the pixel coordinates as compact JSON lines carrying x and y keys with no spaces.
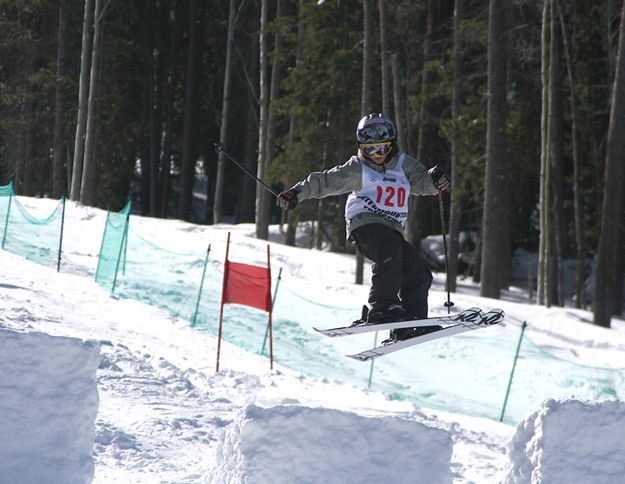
{"x":399,"y":275}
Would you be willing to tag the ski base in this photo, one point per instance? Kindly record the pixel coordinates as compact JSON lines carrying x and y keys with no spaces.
{"x":490,"y":318}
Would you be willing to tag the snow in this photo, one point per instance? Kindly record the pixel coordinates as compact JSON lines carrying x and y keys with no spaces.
{"x":48,"y":406}
{"x":594,"y":432}
{"x":332,"y":446}
{"x":162,"y":415}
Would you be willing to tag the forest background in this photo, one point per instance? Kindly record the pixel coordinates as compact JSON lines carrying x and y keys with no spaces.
{"x":521,"y":102}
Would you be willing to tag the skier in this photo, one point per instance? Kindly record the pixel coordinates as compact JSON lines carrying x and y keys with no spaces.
{"x":379,"y":179}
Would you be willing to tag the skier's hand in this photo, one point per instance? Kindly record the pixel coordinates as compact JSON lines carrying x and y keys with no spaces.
{"x":439,"y":178}
{"x":287,"y":200}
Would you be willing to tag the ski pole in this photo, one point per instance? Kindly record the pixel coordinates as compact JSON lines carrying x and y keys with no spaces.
{"x":219,"y":148}
{"x":448,"y":304}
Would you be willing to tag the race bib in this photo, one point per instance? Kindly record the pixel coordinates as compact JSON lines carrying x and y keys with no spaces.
{"x":385,"y":194}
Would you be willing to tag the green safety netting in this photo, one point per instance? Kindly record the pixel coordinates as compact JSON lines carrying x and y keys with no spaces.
{"x":112,"y":249}
{"x":540,"y":374}
{"x":37,"y":239}
{"x":463,"y":374}
{"x":133,"y":267}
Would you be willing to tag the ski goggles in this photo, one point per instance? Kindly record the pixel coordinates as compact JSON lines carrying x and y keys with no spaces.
{"x":376,"y":149}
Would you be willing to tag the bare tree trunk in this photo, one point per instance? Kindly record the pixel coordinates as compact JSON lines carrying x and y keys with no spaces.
{"x":416,"y":210}
{"x":262,"y":224}
{"x":384,"y":64}
{"x":247,"y":199}
{"x":337,"y":243}
{"x":146,"y":188}
{"x":187,"y":170}
{"x":556,"y":156}
{"x":225,"y":113}
{"x":321,"y":228}
{"x":20,"y":163}
{"x":495,"y":214}
{"x":609,"y":35}
{"x":272,"y":120}
{"x":367,"y":53}
{"x":617,"y":310}
{"x":83,"y":89}
{"x":424,"y":123}
{"x":409,"y":71}
{"x":168,"y":103}
{"x":59,"y":172}
{"x":455,"y":212}
{"x":155,"y":97}
{"x":365,"y":104}
{"x":87,"y":186}
{"x":29,"y":171}
{"x":292,"y":217}
{"x":166,"y":155}
{"x":399,"y":104}
{"x":291,"y":228}
{"x":580,"y":301}
{"x":603,"y":297}
{"x":543,"y":280}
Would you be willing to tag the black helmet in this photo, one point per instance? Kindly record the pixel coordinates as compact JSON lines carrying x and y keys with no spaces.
{"x":374,"y":128}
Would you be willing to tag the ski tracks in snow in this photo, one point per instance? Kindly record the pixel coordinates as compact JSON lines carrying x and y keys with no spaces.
{"x":173,"y":417}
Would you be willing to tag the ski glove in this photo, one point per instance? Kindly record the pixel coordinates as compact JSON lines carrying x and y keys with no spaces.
{"x":287,"y":200}
{"x":440,"y":179}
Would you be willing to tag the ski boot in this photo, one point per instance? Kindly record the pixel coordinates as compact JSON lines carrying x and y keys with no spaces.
{"x":363,"y":316}
{"x":407,"y":333}
{"x":388,"y":314}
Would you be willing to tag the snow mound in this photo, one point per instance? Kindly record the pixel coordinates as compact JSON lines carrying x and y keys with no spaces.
{"x":286,"y":444}
{"x":569,"y":441}
{"x":48,"y":406}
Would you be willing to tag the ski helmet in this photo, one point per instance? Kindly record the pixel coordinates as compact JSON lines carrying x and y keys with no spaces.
{"x":375,"y":128}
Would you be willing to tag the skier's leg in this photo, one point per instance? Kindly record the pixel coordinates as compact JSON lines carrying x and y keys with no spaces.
{"x":383,"y":247}
{"x":416,"y":282}
{"x":415,"y":286}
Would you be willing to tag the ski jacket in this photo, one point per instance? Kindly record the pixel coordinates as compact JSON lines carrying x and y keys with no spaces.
{"x":372,"y":198}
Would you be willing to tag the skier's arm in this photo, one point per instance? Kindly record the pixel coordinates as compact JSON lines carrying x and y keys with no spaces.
{"x":420,"y":180}
{"x":336,"y":181}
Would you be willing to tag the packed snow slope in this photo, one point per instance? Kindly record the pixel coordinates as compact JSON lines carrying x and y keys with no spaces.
{"x":329,"y":446}
{"x":164,"y":415}
{"x":48,"y":407}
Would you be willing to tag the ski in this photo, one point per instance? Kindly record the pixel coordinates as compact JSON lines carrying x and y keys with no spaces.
{"x":487,"y":319}
{"x":469,"y":316}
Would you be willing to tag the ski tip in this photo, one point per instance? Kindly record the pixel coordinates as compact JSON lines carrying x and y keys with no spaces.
{"x":331,"y":333}
{"x":494,"y":316}
{"x":359,"y":357}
